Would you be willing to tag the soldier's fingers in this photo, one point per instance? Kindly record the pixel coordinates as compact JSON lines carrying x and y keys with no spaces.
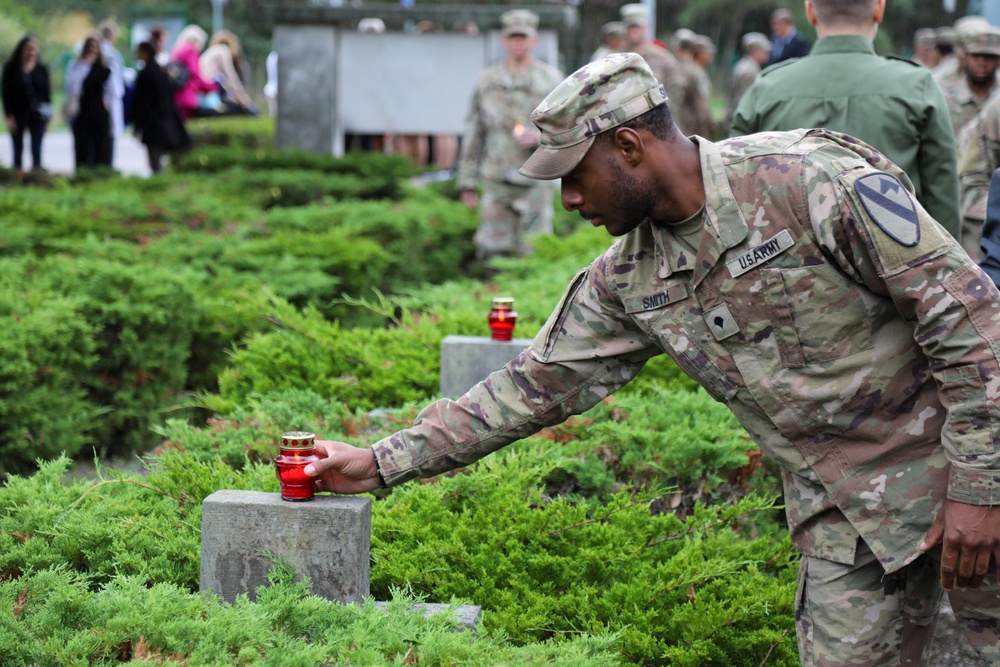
{"x":967,"y":568}
{"x":981,"y":570}
{"x":933,"y":535}
{"x":949,"y":561}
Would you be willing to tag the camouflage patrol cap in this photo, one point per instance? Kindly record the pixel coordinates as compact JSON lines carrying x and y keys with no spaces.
{"x":519,"y":22}
{"x":597,"y":97}
{"x":756,"y":40}
{"x":635,"y":13}
{"x":925,"y":38}
{"x":613,"y":28}
{"x":983,"y":42}
{"x":944,"y":36}
{"x":968,"y":25}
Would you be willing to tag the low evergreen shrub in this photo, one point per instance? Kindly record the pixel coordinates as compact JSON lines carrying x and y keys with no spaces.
{"x":47,"y":348}
{"x":140,"y":324}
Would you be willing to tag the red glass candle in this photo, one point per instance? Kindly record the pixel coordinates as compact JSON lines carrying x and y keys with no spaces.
{"x":502,"y":318}
{"x":297,"y":451}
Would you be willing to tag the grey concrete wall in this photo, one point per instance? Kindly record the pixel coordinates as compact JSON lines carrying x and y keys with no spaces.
{"x":327,"y":539}
{"x":307,"y":87}
{"x":333,"y":81}
{"x":466,"y":360}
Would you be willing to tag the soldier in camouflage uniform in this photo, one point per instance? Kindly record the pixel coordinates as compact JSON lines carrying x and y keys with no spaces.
{"x":796,"y":278}
{"x":692,"y":111}
{"x":978,"y":157}
{"x":497,"y":140}
{"x":756,"y":51}
{"x":665,"y":67}
{"x":967,"y":94}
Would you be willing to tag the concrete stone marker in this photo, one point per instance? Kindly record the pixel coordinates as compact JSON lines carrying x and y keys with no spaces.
{"x":466,"y":360}
{"x":327,"y":539}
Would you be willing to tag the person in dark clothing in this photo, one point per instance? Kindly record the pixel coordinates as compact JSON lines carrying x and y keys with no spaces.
{"x":27,"y":100}
{"x":786,"y":42}
{"x":86,"y":78}
{"x":157,"y":120}
{"x":990,"y":240}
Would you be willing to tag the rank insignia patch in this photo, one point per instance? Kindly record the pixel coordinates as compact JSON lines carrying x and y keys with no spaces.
{"x":721,"y":322}
{"x":890,"y":206}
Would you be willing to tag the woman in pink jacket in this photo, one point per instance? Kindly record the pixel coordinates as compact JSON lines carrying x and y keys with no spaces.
{"x":190,"y":42}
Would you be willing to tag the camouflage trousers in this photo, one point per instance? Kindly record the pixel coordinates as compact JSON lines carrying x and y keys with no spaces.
{"x":857,"y":615}
{"x":509,"y":215}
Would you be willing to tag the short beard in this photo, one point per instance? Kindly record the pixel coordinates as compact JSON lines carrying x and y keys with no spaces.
{"x":981,"y":81}
{"x":636,"y":200}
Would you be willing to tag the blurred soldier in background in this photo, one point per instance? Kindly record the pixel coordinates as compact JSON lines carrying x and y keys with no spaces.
{"x":691,"y":113}
{"x":756,"y":52}
{"x":968,"y":93}
{"x":499,"y":138}
{"x":924,"y":47}
{"x":665,"y":67}
{"x":613,"y":36}
{"x":924,"y":50}
{"x":843,"y":85}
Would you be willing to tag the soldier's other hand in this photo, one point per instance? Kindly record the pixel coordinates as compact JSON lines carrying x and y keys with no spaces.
{"x":470,"y":198}
{"x":528,"y":136}
{"x":343,"y":468}
{"x":971,"y":536}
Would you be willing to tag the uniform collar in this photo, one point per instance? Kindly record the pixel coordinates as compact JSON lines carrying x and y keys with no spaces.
{"x":842,"y":44}
{"x":725,"y":226}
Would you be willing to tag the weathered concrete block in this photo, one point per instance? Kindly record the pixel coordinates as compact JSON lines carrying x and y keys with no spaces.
{"x":466,"y":360}
{"x":327,"y":539}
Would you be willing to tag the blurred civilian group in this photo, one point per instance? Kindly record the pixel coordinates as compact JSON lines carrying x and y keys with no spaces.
{"x":197,"y":77}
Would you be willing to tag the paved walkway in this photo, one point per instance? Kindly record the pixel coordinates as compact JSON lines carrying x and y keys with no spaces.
{"x":57,"y":153}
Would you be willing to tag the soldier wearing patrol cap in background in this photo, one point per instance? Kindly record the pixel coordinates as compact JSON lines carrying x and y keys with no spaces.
{"x":498,"y":138}
{"x":613,"y":37}
{"x":924,"y":47}
{"x":843,"y":85}
{"x":948,"y":65}
{"x":691,"y":112}
{"x":756,"y":52}
{"x":665,"y":67}
{"x":795,"y":277}
{"x":968,"y":93}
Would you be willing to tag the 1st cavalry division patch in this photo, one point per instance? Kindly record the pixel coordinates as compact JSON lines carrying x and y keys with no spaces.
{"x":890,"y":206}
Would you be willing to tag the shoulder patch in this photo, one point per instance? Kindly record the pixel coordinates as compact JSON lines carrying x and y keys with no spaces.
{"x":890,"y":206}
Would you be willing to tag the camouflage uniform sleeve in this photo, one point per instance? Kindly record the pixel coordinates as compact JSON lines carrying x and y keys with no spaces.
{"x":973,"y":170}
{"x":953,"y":307}
{"x":473,"y":141}
{"x":938,"y":173}
{"x":588,"y":349}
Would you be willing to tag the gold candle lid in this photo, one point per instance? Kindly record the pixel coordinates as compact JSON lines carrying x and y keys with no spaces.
{"x":503,"y":302}
{"x":297,"y":440}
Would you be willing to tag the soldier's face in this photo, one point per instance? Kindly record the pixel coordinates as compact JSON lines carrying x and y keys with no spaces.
{"x":605,"y":194}
{"x":981,"y":67}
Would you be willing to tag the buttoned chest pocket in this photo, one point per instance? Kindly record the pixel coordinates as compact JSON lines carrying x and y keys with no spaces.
{"x":684,"y":335}
{"x":817,"y":313}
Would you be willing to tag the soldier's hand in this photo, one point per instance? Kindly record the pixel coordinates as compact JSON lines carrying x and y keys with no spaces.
{"x":470,"y":198}
{"x":971,"y":535}
{"x":528,"y":136}
{"x":343,"y":468}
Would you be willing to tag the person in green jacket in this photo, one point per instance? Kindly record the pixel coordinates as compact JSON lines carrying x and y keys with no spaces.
{"x":843,"y":85}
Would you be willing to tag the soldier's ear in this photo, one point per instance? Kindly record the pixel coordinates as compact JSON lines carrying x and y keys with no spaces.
{"x":629,"y":145}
